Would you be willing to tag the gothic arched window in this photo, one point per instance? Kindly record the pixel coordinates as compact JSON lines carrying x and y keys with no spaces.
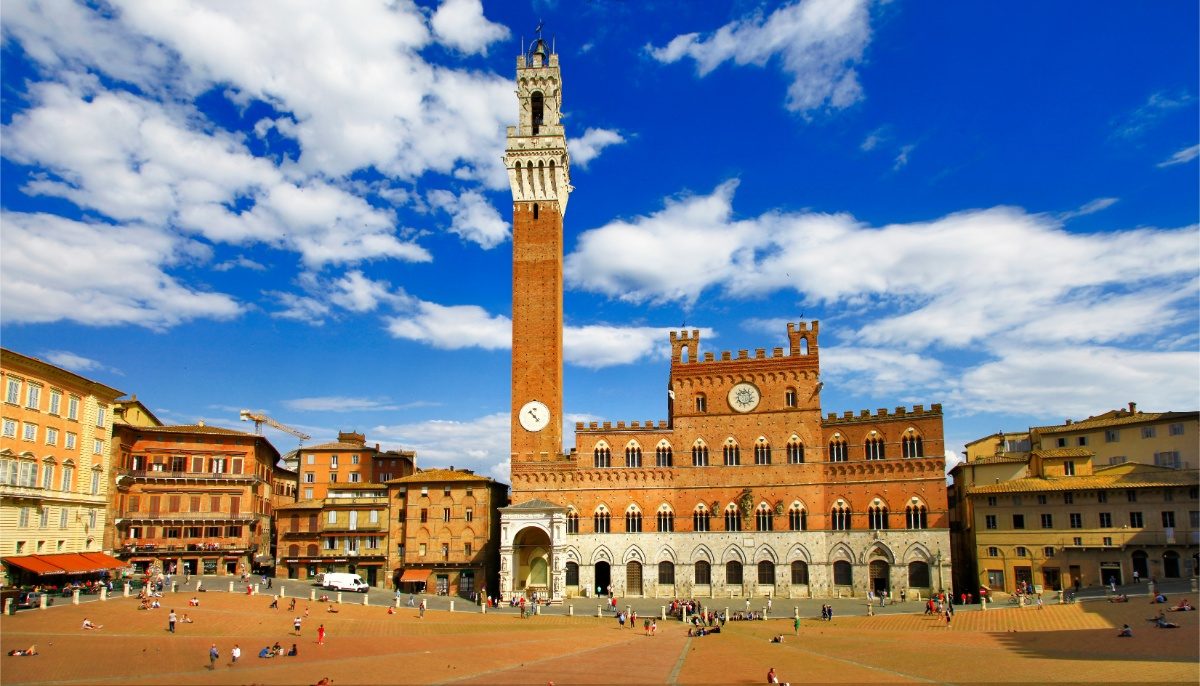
{"x":662,"y":455}
{"x":837,"y":449}
{"x":797,"y":518}
{"x":699,"y":455}
{"x":764,"y":518}
{"x":732,"y":454}
{"x":912,"y":445}
{"x":666,"y":519}
{"x":839,"y":517}
{"x":633,"y":456}
{"x":795,"y":451}
{"x":572,"y":522}
{"x":877,"y":515}
{"x":601,"y":457}
{"x":874,"y":448}
{"x":700,"y":518}
{"x":733,"y":519}
{"x":916,"y":517}
{"x":633,"y":520}
{"x":762,"y":452}
{"x":537,"y":108}
{"x":602,"y":521}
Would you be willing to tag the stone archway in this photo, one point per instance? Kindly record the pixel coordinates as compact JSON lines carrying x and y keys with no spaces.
{"x":879,"y":572}
{"x":633,"y":578}
{"x":532,"y":561}
{"x":603,"y":578}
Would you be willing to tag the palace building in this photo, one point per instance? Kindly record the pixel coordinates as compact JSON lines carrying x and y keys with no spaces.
{"x":746,"y":489}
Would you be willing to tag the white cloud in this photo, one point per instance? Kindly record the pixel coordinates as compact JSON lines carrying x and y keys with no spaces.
{"x":819,"y":42}
{"x":56,"y":269}
{"x":452,"y":327}
{"x":74,"y":362}
{"x":239,"y":262}
{"x":461,"y":25}
{"x":335,"y":403}
{"x":901,"y":160}
{"x":588,"y":146}
{"x":878,"y":372}
{"x":1149,"y":114}
{"x":301,"y":308}
{"x":1079,"y":381}
{"x":1181,"y":157}
{"x":481,"y":444}
{"x":873,"y":139}
{"x":960,"y":280}
{"x":599,"y":346}
{"x":472,"y":217}
{"x":1090,"y":207}
{"x":357,"y":293}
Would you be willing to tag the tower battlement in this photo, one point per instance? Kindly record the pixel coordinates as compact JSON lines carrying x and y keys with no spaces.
{"x":917,"y":411}
{"x":635,"y":426}
{"x":802,"y":340}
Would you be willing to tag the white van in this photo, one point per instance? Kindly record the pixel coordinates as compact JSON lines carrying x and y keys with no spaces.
{"x":341,"y":581}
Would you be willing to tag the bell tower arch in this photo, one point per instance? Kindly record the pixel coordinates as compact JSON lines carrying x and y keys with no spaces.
{"x":539,"y":176}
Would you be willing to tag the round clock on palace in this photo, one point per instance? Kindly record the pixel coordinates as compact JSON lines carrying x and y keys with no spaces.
{"x":534,"y":416}
{"x":744,"y":397}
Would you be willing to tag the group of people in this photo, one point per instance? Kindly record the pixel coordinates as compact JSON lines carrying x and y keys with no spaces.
{"x":827,"y":612}
{"x":277,"y":651}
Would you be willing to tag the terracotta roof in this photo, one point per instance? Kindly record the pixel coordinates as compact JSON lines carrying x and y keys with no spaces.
{"x":1114,"y":418}
{"x":1127,"y":475}
{"x":302,"y":505}
{"x":356,"y":487}
{"x":10,"y":357}
{"x":1054,"y":453}
{"x":427,"y":475}
{"x":194,"y":429}
{"x":995,"y":459}
{"x":339,"y":445}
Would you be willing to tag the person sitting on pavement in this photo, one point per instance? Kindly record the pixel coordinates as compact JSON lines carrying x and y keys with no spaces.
{"x":266,"y":652}
{"x":87,"y":624}
{"x":1125,"y":632}
{"x":194,"y":602}
{"x":1122,"y":598}
{"x":1159,"y":599}
{"x":1184,"y":605}
{"x":1162,"y":623}
{"x":31,"y":650}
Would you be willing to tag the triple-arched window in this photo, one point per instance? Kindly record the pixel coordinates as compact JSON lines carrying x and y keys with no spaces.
{"x":837,"y":449}
{"x":762,"y":452}
{"x":764,"y":518}
{"x":916,"y":517}
{"x":572,"y":522}
{"x":839,"y":517}
{"x":911,"y":445}
{"x":732,"y":454}
{"x":733,"y":518}
{"x":633,"y":455}
{"x":699,"y":455}
{"x":602,"y":521}
{"x":795,"y":451}
{"x":797,"y":518}
{"x":662,"y":455}
{"x":877,"y":516}
{"x":602,"y":457}
{"x":873,"y":447}
{"x":701,"y":518}
{"x":665,"y":519}
{"x":633,"y":520}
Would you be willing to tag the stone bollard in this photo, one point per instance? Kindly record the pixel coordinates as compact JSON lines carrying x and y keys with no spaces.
{"x":43,"y":601}
{"x":231,"y":587}
{"x":796,"y":612}
{"x":599,"y":612}
{"x":662,"y":611}
{"x":570,"y":610}
{"x":983,"y":603}
{"x":537,"y":609}
{"x":312,"y":595}
{"x":1195,"y":582}
{"x":366,"y":599}
{"x":683,"y":616}
{"x":452,"y":606}
{"x":396,"y":603}
{"x":199,"y":583}
{"x":103,"y":593}
{"x":726,"y":614}
{"x":75,"y":597}
{"x":8,"y":606}
{"x":126,"y":589}
{"x":255,"y":589}
{"x":482,"y":607}
{"x":339,"y":598}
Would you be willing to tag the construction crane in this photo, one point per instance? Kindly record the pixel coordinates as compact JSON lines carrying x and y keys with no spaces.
{"x":260,"y":419}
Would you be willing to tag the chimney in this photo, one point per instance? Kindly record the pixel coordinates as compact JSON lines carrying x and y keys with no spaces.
{"x":1132,"y":408}
{"x":1069,"y":422}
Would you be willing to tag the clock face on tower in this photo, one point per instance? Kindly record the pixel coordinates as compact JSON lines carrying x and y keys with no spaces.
{"x":744,"y":397}
{"x":534,"y":416}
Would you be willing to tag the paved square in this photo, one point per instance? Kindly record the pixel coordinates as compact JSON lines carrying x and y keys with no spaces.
{"x":364,"y":644}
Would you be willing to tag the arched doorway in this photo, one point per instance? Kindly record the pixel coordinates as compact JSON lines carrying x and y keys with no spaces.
{"x":1141,"y":564}
{"x":531,"y":569}
{"x":633,"y":578}
{"x":878,"y":573}
{"x":1171,"y":564}
{"x":603,"y":578}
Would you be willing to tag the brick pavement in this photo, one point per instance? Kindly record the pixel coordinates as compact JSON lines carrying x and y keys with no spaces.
{"x":365,"y":645}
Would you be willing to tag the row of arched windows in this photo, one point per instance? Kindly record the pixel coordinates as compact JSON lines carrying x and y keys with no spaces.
{"x":841,"y":518}
{"x":874,"y":448}
{"x":765,"y":572}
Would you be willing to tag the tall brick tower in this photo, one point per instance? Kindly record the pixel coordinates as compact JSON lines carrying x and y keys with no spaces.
{"x":537,"y":161}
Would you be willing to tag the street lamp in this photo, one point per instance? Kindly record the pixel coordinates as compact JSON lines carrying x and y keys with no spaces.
{"x":937,"y":559}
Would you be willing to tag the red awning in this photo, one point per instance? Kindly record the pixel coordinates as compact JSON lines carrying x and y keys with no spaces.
{"x":34,"y":564}
{"x":74,"y":563}
{"x":104,"y":561}
{"x":415,"y":575}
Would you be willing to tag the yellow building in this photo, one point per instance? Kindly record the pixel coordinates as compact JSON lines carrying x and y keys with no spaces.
{"x":54,"y":470}
{"x":1079,"y":504}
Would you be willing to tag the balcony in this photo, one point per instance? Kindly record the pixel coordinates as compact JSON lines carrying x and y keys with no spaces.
{"x":185,"y":517}
{"x":173,"y":545}
{"x":345,"y":527}
{"x":1131,"y":538}
{"x":157,"y":475}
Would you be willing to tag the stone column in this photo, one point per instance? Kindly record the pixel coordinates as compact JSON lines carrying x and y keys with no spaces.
{"x":75,"y":597}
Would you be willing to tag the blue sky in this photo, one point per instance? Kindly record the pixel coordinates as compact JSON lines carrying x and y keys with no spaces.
{"x":300,"y":208}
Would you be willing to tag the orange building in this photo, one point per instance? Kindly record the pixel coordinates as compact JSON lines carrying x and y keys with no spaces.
{"x":745,"y":489}
{"x":444,"y":529}
{"x":195,"y":498}
{"x":348,"y":460}
{"x":55,"y":470}
{"x":347,"y":531}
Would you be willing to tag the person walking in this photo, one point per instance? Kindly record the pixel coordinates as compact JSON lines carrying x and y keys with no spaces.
{"x":796,"y":624}
{"x":235,"y":654}
{"x":171,"y":621}
{"x":296,"y":625}
{"x":321,"y":635}
{"x":421,"y":611}
{"x":213,"y":654}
